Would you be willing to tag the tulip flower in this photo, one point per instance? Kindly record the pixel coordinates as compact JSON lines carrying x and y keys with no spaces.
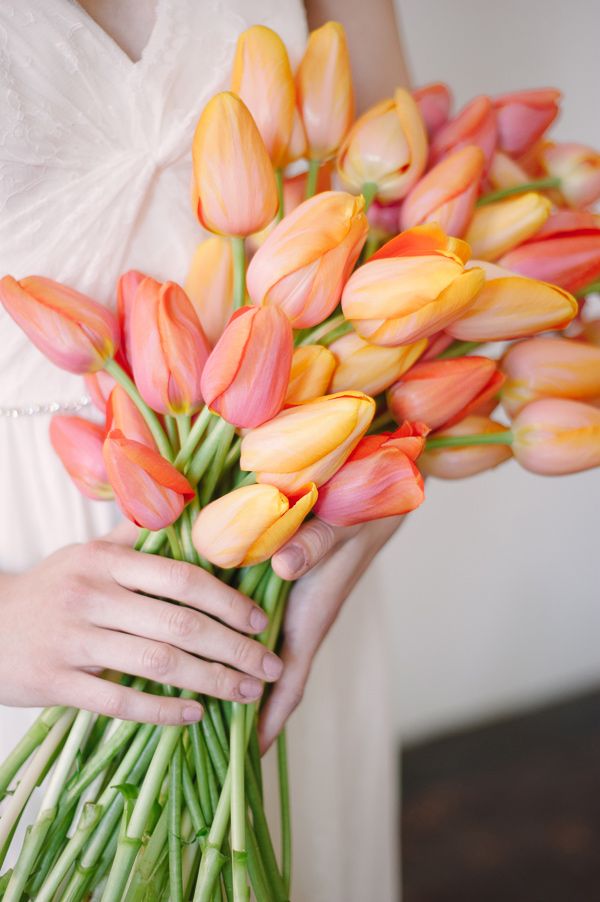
{"x":234,"y":179}
{"x":246,"y":376}
{"x":578,"y":169}
{"x":148,"y":489}
{"x":74,"y":332}
{"x":304,"y":263}
{"x":510,"y":306}
{"x":523,"y":117}
{"x":460,"y":462}
{"x":122,"y":414}
{"x":384,"y":219}
{"x":99,"y":386}
{"x":411,"y":288}
{"x":475,"y":124}
{"x":550,"y":367}
{"x":371,"y":368}
{"x":504,"y":172}
{"x":127,"y":287}
{"x":307,"y":443}
{"x":311,"y":373}
{"x":442,"y":392}
{"x":247,"y":526}
{"x":379,"y":479}
{"x":556,"y":436}
{"x":386,"y":147}
{"x":434,"y":102}
{"x":447,"y":193}
{"x":263,"y":78}
{"x":168,"y":348}
{"x":324,"y":90}
{"x":498,"y":227}
{"x":78,"y":443}
{"x":209,"y":285}
{"x":297,"y":148}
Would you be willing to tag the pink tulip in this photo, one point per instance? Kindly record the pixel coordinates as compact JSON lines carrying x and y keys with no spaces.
{"x":127,"y":287}
{"x":475,"y":124}
{"x":523,"y":117}
{"x":554,"y":436}
{"x":99,"y":386}
{"x":434,"y":102}
{"x":122,"y":414}
{"x":578,"y":168}
{"x":78,"y":443}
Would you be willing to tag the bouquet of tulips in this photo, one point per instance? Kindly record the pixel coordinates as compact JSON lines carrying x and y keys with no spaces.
{"x":319,"y":379}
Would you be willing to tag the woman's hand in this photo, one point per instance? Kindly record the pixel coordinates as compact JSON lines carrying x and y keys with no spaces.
{"x":328,"y":562}
{"x":80,"y":611}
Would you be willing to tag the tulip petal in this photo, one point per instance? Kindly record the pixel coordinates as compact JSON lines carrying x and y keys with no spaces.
{"x":273,"y":538}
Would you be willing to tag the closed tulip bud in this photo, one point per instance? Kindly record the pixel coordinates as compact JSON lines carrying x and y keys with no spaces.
{"x":578,"y":168}
{"x":99,"y":386}
{"x":442,"y":392}
{"x":434,"y":102}
{"x":148,"y":489}
{"x":371,"y":368}
{"x":510,"y":306}
{"x":555,"y":436}
{"x":307,"y":443}
{"x":209,"y":285}
{"x":78,"y":443}
{"x":297,"y":148}
{"x":247,"y":526}
{"x":496,"y":228}
{"x":447,"y":193}
{"x":504,"y":172}
{"x":127,"y":287}
{"x":468,"y":460}
{"x":233,"y":174}
{"x":324,"y":89}
{"x":246,"y":376}
{"x":475,"y":124}
{"x":311,"y":373}
{"x":386,"y":147}
{"x":550,"y":367}
{"x":74,"y":332}
{"x":304,"y":263}
{"x":122,"y":414}
{"x":168,"y":348}
{"x":379,"y":479}
{"x":523,"y":117}
{"x":411,"y":288}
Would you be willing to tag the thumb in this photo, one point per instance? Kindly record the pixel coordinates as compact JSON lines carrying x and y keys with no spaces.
{"x":125,"y":533}
{"x":310,"y":545}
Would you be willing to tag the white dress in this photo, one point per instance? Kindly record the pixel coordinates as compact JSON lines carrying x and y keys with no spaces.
{"x":94,"y":180}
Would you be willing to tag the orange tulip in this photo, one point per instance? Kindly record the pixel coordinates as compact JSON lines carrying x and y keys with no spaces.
{"x":78,"y":443}
{"x":475,"y":124}
{"x":310,"y":376}
{"x":99,"y":386}
{"x":127,"y":287}
{"x":510,"y":306}
{"x":234,"y":179}
{"x":447,"y":193}
{"x":324,"y":89}
{"x":442,"y":392}
{"x":149,"y":490}
{"x":304,"y":263}
{"x":168,"y":348}
{"x":523,"y":117}
{"x":498,"y":227}
{"x":460,"y":462}
{"x":122,"y":414}
{"x":550,"y":367}
{"x":209,"y":285}
{"x":247,"y":526}
{"x":386,"y":147}
{"x":379,"y":479}
{"x":412,"y":287}
{"x":556,"y":436}
{"x":371,"y":368}
{"x":578,"y":168}
{"x":246,"y":376}
{"x":434,"y":102}
{"x":73,"y":331}
{"x":307,"y":443}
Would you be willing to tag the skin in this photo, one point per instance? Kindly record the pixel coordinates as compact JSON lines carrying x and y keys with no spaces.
{"x":84,"y":611}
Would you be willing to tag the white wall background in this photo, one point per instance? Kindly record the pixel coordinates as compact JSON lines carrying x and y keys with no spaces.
{"x":493,"y":586}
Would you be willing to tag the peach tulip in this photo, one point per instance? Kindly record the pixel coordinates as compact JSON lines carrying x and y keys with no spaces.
{"x":447,"y":193}
{"x":504,"y":172}
{"x":74,"y":332}
{"x":307,"y":443}
{"x":99,"y":386}
{"x":379,"y":479}
{"x":442,"y":392}
{"x":460,"y":462}
{"x":247,"y":526}
{"x":496,"y":228}
{"x":475,"y":124}
{"x":148,"y":489}
{"x":578,"y":168}
{"x":246,"y":376}
{"x":371,"y":368}
{"x":311,"y":373}
{"x":122,"y":414}
{"x":233,"y":175}
{"x":304,"y":263}
{"x":434,"y":102}
{"x":209,"y":285}
{"x":324,"y":90}
{"x":386,"y":147}
{"x":510,"y":306}
{"x":168,"y":348}
{"x":412,"y":287}
{"x":78,"y":443}
{"x":297,"y":148}
{"x":557,"y":436}
{"x":127,"y":287}
{"x":523,"y":117}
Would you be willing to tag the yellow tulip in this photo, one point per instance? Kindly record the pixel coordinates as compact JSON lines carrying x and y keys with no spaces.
{"x":209,"y":285}
{"x":312,"y":369}
{"x":371,"y":368}
{"x":496,"y":228}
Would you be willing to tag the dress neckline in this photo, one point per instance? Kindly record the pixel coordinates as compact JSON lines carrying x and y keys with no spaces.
{"x":149,"y":50}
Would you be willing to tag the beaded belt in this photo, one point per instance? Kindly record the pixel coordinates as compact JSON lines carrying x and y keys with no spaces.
{"x":43,"y":410}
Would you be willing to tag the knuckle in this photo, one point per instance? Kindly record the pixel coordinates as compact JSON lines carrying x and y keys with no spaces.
{"x":113,"y":703}
{"x":242,"y":650}
{"x":219,"y":679}
{"x":181,"y":622}
{"x":162,"y":713}
{"x":321,"y":538}
{"x":296,"y":696}
{"x":157,"y":659}
{"x":177,"y":575}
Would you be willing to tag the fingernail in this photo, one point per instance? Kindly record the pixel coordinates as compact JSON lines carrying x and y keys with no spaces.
{"x":258,"y":620}
{"x":272,"y":666}
{"x":192,"y":714}
{"x":293,"y":557}
{"x":250,"y":688}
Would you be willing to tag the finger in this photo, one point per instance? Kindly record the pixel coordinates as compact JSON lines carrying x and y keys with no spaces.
{"x":125,"y":533}
{"x":284,"y":699}
{"x":313,"y":542}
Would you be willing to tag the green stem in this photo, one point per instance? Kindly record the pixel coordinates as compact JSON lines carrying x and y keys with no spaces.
{"x":196,"y":432}
{"x":174,"y":542}
{"x":459,"y":349}
{"x":312,"y":178}
{"x":158,"y":433}
{"x":171,"y":430}
{"x":204,"y":457}
{"x":238,"y":804}
{"x":322,"y":334}
{"x":371,"y":245}
{"x":183,"y":427}
{"x":592,"y":288}
{"x":279,"y":183}
{"x":217,"y":464}
{"x":536,"y":185}
{"x":174,"y":832}
{"x":284,"y":805}
{"x":239,"y":272}
{"x":369,"y":192}
{"x":34,"y":736}
{"x":458,"y":441}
